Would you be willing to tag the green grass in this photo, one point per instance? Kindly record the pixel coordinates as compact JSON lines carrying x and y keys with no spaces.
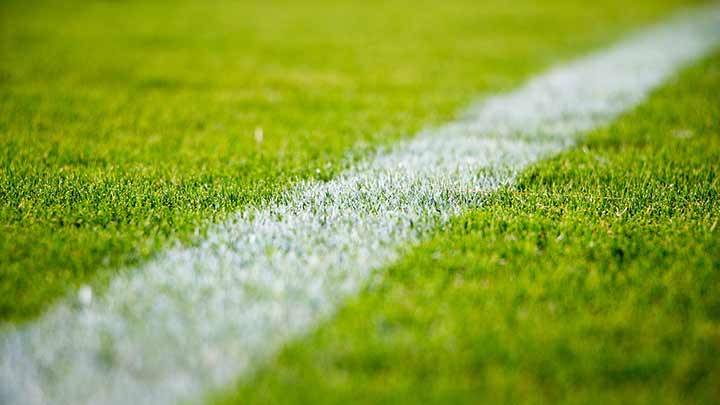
{"x":125,"y":126}
{"x":595,"y":279}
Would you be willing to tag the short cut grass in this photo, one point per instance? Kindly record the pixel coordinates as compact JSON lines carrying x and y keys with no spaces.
{"x":125,"y":126}
{"x":595,"y":279}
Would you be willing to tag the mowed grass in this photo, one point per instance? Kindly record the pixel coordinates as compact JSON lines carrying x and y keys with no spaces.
{"x":595,"y":279}
{"x":126,"y":126}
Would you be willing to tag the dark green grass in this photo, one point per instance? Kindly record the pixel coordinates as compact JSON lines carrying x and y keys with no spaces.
{"x":595,"y":279}
{"x":126,"y":125}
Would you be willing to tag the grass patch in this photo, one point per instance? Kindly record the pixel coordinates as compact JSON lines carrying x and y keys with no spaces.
{"x":127,"y":125}
{"x":595,"y":279}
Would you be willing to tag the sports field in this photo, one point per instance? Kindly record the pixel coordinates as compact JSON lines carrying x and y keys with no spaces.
{"x":366,"y":202}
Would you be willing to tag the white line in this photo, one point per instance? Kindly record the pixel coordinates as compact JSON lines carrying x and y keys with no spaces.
{"x":196,"y":318}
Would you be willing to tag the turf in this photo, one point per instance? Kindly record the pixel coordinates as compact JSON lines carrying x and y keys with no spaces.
{"x":126,"y":126}
{"x":595,"y":279}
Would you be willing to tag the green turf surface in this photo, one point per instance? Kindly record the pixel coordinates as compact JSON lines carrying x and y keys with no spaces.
{"x":596,"y":278}
{"x":124,"y":126}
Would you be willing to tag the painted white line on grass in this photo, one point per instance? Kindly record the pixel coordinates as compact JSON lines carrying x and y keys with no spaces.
{"x":196,"y":318}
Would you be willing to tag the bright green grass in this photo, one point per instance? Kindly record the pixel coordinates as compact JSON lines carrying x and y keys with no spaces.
{"x":596,"y":278}
{"x":126,"y":125}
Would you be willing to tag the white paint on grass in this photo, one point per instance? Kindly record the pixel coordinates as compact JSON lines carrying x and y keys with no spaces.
{"x":196,"y":318}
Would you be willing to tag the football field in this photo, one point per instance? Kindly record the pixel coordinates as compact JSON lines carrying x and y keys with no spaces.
{"x":378,"y":202}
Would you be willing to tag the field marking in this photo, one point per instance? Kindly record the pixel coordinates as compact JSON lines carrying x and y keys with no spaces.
{"x":196,"y":318}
